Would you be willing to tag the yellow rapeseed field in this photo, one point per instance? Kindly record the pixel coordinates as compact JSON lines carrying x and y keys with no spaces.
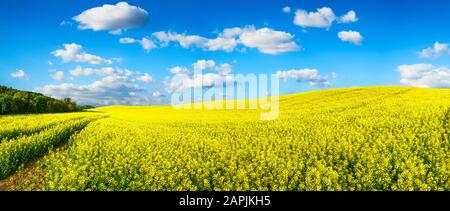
{"x":373,"y":138}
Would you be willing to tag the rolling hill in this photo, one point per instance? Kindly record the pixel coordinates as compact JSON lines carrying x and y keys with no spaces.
{"x":367,"y":138}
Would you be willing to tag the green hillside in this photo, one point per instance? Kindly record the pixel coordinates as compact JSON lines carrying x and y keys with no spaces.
{"x":13,"y":101}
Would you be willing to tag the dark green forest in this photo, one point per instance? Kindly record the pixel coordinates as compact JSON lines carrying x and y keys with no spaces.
{"x":14,"y":101}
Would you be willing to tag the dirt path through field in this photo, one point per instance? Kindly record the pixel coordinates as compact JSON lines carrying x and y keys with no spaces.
{"x":21,"y":175}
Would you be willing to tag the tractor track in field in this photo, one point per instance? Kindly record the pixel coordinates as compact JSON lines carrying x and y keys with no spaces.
{"x":446,"y":125}
{"x":31,"y":169}
{"x":19,"y":133}
{"x":23,"y":174}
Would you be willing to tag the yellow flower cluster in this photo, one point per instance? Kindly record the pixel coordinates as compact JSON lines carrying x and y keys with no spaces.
{"x":19,"y":125}
{"x":25,"y":148}
{"x":377,"y":138}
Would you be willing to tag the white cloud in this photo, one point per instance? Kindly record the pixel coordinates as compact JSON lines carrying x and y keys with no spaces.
{"x":306,"y":75}
{"x":80,"y":71}
{"x":146,"y":78}
{"x":75,"y":53}
{"x":266,"y":40}
{"x":180,"y":70}
{"x":200,"y":65}
{"x":424,"y":75}
{"x":224,"y":69}
{"x":286,"y":9}
{"x":221,"y":43}
{"x":19,"y":74}
{"x":127,"y":40}
{"x":185,"y":41}
{"x":147,"y":44}
{"x":349,"y":17}
{"x":203,"y":65}
{"x":196,"y":81}
{"x":157,"y":94}
{"x":118,"y":86}
{"x":233,"y":32}
{"x":323,"y":18}
{"x":110,"y":90}
{"x":164,"y":38}
{"x":112,"y":18}
{"x":437,"y":50}
{"x":58,"y":75}
{"x":269,"y":41}
{"x":351,"y":37}
{"x":183,"y":80}
{"x":50,"y":63}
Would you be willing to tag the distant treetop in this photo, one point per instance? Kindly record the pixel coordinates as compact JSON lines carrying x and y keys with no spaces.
{"x":13,"y":101}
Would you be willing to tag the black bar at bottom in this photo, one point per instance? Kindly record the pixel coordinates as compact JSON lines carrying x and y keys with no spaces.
{"x":228,"y":200}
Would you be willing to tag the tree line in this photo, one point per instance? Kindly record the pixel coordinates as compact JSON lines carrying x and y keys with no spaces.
{"x":13,"y":101}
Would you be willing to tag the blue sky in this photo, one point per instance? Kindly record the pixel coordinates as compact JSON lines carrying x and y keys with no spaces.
{"x":398,"y":43}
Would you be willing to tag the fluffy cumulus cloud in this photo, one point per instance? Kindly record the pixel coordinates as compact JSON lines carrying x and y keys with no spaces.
{"x":88,"y":71}
{"x":351,"y":37}
{"x":112,"y":18}
{"x":180,"y":70}
{"x":19,"y":74}
{"x":208,"y":80}
{"x":266,"y":40}
{"x":269,"y":41}
{"x":203,"y":65}
{"x":113,"y":86}
{"x":221,"y":44}
{"x":311,"y":76}
{"x":349,"y":17}
{"x":184,"y":78}
{"x":424,"y":75}
{"x":110,"y":90}
{"x":322,"y":18}
{"x":145,"y":43}
{"x":185,"y":41}
{"x":224,"y":69}
{"x":146,"y":78}
{"x":112,"y":71}
{"x":58,"y":75}
{"x":286,"y":9}
{"x":74,"y":53}
{"x":437,"y":50}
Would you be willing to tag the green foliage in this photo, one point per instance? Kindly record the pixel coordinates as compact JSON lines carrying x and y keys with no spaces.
{"x":20,"y":102}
